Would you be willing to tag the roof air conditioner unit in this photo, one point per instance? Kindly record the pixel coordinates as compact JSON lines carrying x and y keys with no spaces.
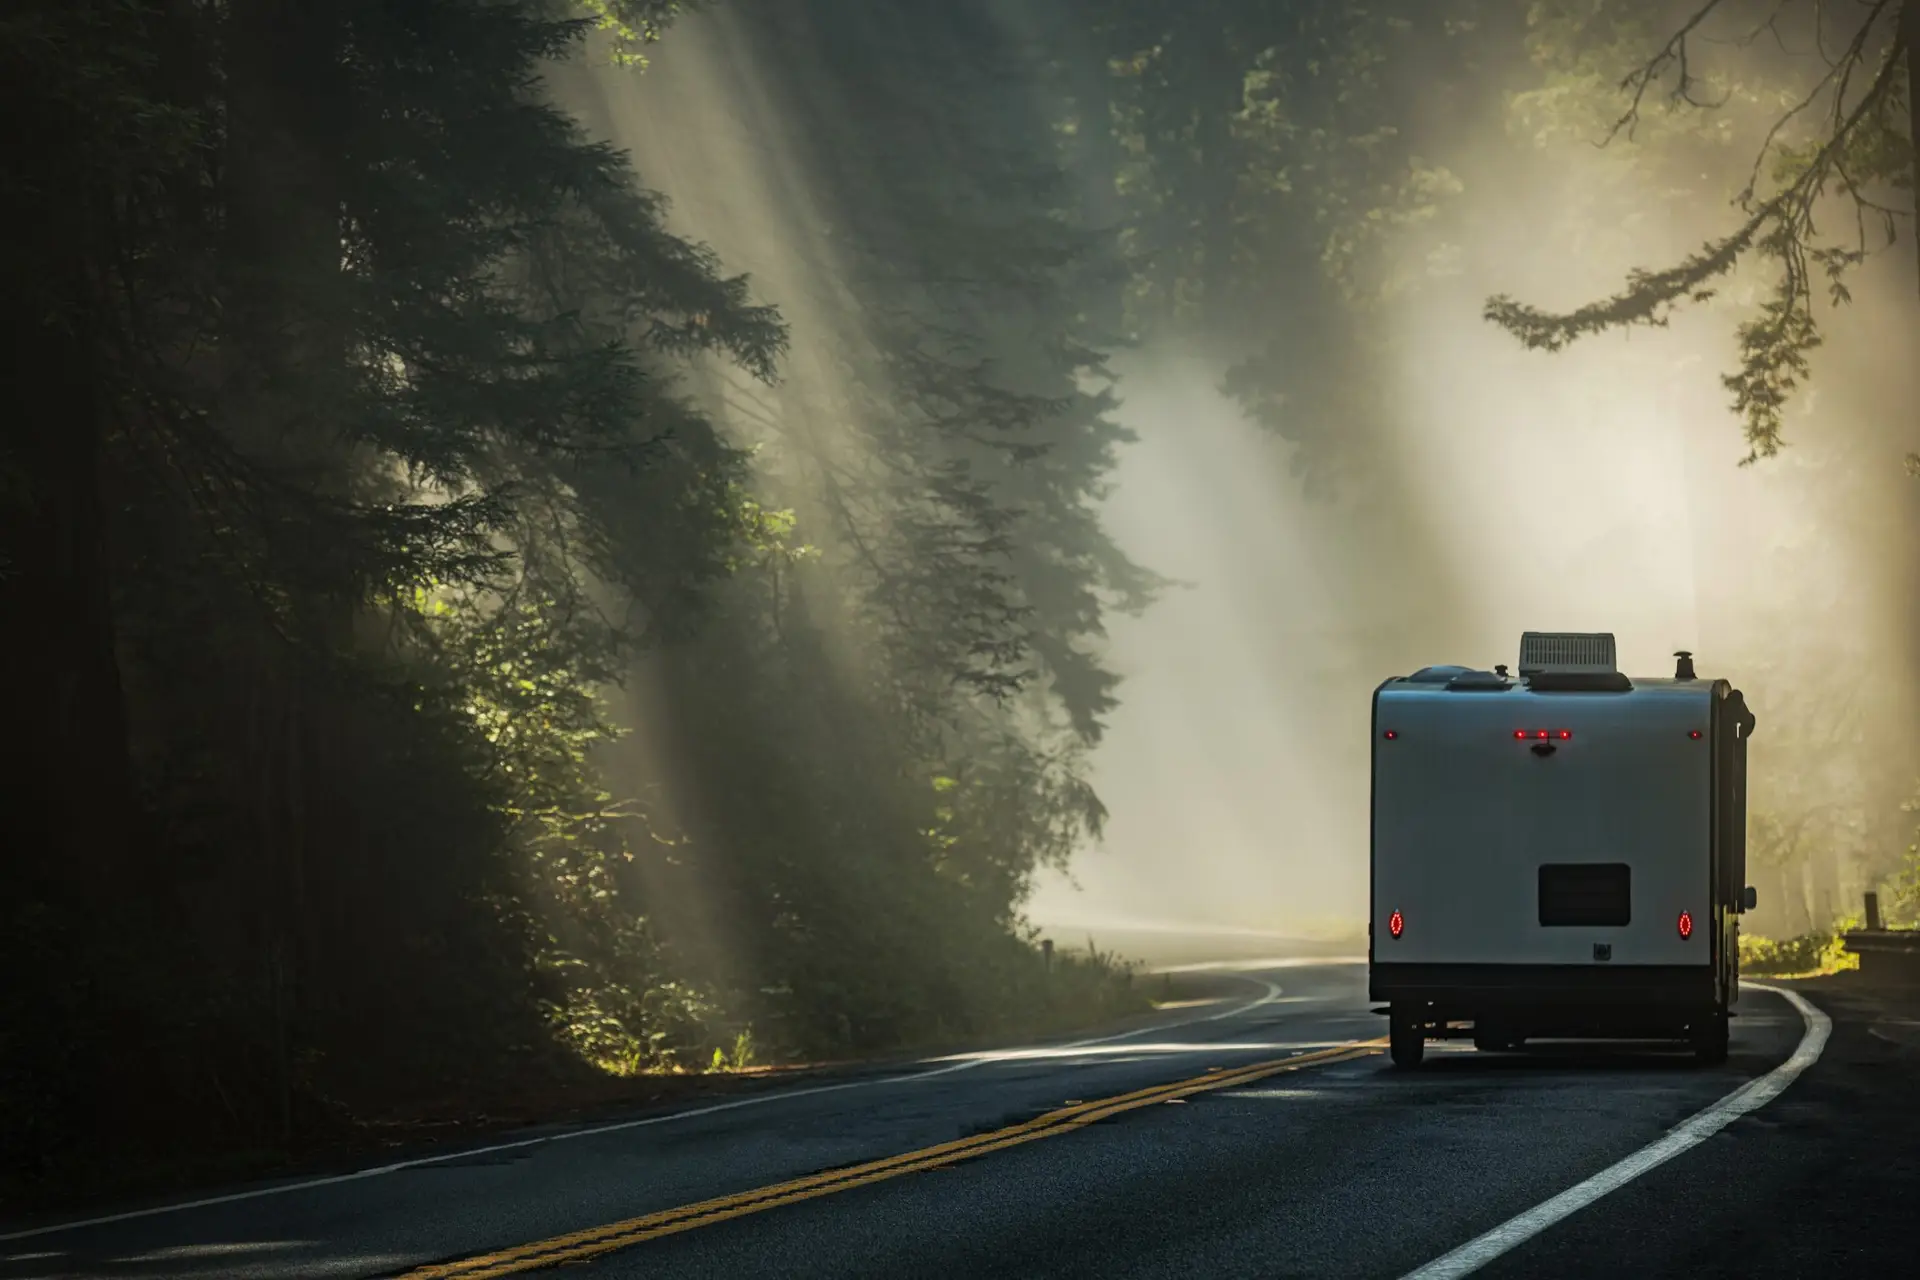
{"x":1567,"y":653}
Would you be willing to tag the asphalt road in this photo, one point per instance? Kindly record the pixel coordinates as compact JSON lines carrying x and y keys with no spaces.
{"x":1335,"y":1166}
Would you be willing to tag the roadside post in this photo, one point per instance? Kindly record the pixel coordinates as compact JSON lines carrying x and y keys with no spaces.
{"x":1886,"y":955}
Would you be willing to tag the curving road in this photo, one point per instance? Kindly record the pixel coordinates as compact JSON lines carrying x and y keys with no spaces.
{"x":1258,"y":1135}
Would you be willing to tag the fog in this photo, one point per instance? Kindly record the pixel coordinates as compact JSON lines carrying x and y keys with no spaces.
{"x":1596,"y":489}
{"x":1229,"y":767}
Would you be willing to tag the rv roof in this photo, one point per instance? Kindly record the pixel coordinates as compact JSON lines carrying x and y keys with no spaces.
{"x":1639,"y":687}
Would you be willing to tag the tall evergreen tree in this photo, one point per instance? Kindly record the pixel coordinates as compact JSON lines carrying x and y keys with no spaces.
{"x":371,"y":359}
{"x":370,"y":454}
{"x":899,"y":713}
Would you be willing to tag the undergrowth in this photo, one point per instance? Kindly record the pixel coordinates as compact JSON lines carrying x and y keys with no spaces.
{"x":1809,"y":955}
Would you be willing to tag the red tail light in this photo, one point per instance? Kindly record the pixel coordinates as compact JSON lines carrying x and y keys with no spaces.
{"x":1686,"y":925}
{"x":1396,"y":924}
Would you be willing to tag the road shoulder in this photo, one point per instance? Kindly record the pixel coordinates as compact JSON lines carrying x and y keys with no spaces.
{"x":1825,"y":1177}
{"x":453,"y":1132}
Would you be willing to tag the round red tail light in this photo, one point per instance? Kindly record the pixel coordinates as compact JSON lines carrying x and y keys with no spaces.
{"x":1396,"y":924}
{"x":1686,"y":925}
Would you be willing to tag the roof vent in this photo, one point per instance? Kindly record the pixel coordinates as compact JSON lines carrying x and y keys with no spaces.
{"x":1479,"y":680}
{"x":1567,"y":653}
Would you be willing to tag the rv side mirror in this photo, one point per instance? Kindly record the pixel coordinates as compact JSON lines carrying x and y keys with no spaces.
{"x":1749,"y":899}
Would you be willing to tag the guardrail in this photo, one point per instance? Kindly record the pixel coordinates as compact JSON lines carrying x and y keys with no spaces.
{"x":1891,"y":955}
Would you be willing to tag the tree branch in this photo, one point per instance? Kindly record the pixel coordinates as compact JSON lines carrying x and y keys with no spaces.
{"x":1643,"y":77}
{"x":1774,"y":346}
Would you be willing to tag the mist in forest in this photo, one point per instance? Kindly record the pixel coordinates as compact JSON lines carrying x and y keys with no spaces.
{"x":1595,"y":489}
{"x":1568,"y":498}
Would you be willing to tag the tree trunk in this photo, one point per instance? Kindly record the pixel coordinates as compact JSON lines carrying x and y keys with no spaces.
{"x":1220,"y":75}
{"x":66,"y":756}
{"x":283,"y":353}
{"x":1909,"y":38}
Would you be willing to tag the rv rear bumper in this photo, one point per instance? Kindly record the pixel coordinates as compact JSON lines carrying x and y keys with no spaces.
{"x":1468,"y":990}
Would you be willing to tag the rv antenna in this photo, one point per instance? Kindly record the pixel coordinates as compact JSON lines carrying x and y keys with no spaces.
{"x":1683,"y":665}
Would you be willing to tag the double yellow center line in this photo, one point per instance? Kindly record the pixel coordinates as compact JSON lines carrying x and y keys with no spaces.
{"x":582,"y":1245}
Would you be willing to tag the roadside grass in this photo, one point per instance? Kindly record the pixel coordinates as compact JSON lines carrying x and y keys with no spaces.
{"x":1811,"y":955}
{"x":1079,"y":989}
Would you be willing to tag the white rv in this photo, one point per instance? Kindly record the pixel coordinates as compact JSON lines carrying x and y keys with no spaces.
{"x":1557,"y":854}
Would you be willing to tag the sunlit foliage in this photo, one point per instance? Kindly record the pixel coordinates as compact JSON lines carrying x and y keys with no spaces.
{"x":1802,"y":957}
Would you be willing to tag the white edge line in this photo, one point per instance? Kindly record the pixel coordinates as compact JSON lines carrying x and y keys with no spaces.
{"x":1686,"y":1135}
{"x":1268,"y":996}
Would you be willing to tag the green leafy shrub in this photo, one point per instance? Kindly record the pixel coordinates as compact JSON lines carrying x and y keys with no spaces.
{"x":1805,"y":956}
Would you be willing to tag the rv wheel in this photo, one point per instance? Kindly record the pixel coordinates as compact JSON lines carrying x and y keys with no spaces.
{"x":1493,"y":1038}
{"x":1710,"y":1039}
{"x":1406,"y":1039}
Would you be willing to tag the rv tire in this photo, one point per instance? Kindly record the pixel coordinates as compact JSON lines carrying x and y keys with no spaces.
{"x":1406,"y":1038}
{"x":1494,"y":1040}
{"x":1710,"y":1038}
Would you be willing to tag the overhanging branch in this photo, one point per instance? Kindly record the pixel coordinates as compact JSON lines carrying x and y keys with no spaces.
{"x":1774,"y":345}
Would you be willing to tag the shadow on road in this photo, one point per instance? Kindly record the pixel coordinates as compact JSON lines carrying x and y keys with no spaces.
{"x":1566,"y":1058}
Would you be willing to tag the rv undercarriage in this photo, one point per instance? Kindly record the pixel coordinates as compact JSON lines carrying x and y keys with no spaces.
{"x":1502,"y":1007}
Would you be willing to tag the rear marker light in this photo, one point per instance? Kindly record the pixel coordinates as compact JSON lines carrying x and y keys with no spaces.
{"x":1396,"y":924}
{"x":1390,"y":735}
{"x":1686,"y":925}
{"x":1521,"y":735}
{"x":1695,"y":735}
